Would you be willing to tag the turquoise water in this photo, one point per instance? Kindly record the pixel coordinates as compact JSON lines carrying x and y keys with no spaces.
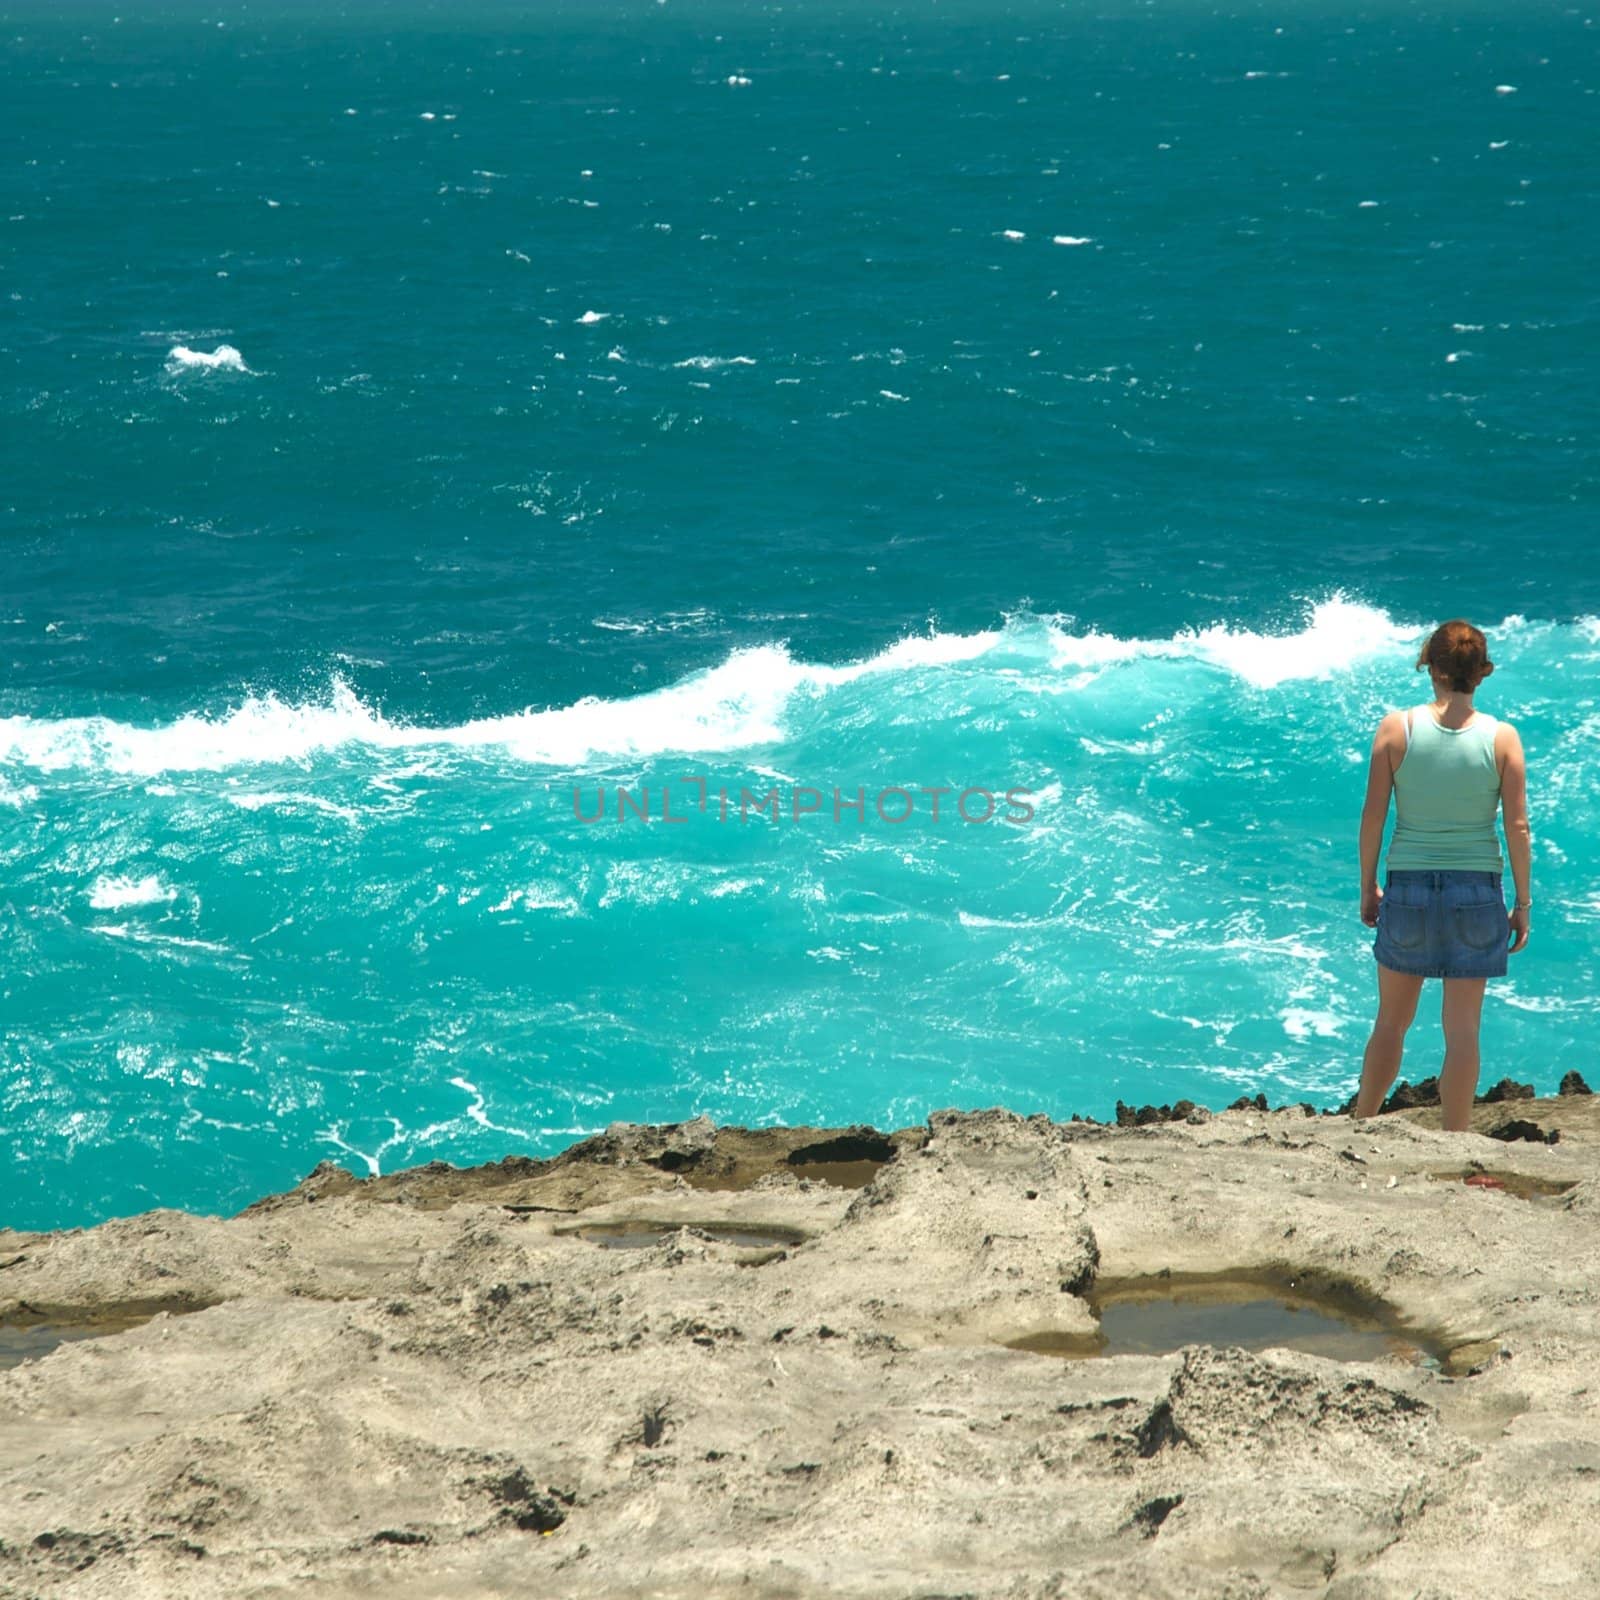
{"x":413,"y":419}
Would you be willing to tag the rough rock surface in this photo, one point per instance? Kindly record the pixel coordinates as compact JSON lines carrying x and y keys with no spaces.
{"x":443,"y":1383}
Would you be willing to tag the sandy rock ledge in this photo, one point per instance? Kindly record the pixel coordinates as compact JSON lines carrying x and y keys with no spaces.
{"x":444,"y":1382}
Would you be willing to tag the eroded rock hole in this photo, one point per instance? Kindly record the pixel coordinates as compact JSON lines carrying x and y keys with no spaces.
{"x":848,"y":1160}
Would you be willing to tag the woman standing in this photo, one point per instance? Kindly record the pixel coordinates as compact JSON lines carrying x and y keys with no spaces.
{"x":1441,"y":912}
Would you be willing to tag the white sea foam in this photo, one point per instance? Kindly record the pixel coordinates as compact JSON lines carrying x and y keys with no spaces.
{"x":724,"y":887}
{"x":1071,"y":238}
{"x":223,"y":359}
{"x":750,"y":699}
{"x":594,"y":316}
{"x":710,"y":363}
{"x":273,"y":801}
{"x":112,"y":894}
{"x":1300,"y":1023}
{"x":117,"y":930}
{"x":1339,"y":634}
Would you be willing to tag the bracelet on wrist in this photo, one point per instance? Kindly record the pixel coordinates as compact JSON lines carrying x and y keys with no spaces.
{"x":1522,"y":905}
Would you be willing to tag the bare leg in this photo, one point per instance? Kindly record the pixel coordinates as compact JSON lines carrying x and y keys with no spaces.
{"x":1458,"y":1082}
{"x":1398,"y":993}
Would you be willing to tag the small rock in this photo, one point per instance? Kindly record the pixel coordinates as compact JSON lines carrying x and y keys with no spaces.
{"x":1572,"y":1083}
{"x":1149,"y":1516}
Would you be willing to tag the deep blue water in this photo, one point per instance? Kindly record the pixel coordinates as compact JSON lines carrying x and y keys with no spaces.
{"x":411,"y":416}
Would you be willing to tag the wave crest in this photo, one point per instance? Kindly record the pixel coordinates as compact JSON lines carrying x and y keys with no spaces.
{"x":747,"y":701}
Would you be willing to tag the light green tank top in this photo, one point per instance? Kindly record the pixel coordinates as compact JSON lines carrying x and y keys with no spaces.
{"x":1446,"y":792}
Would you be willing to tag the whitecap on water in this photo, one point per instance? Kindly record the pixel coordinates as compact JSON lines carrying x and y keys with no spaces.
{"x":113,"y":893}
{"x":223,"y":359}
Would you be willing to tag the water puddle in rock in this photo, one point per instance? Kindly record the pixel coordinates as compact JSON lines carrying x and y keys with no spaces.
{"x":638,"y":1234}
{"x":1156,"y":1316}
{"x":33,"y":1338}
{"x":29,"y":1344}
{"x":1519,"y":1185}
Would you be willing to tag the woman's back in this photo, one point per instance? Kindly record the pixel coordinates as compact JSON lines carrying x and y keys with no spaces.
{"x":1447,"y":790}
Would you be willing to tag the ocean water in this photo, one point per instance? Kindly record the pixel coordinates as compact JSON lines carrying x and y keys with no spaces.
{"x":424,"y":429}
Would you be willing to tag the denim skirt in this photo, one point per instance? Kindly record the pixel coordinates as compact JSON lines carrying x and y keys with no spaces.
{"x":1443,"y":925}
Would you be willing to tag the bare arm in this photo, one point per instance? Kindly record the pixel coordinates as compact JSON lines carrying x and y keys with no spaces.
{"x":1514,"y":814}
{"x":1387,"y":745}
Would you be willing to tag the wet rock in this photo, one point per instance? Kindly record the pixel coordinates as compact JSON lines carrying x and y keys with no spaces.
{"x":1247,"y":1102}
{"x":1147,"y":1116}
{"x":1407,"y":1097}
{"x":1521,"y":1129}
{"x":1506,"y":1089}
{"x":1572,"y":1083}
